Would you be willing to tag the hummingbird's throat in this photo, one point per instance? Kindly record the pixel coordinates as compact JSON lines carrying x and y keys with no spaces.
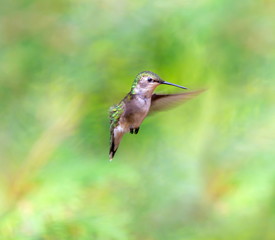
{"x":147,"y":91}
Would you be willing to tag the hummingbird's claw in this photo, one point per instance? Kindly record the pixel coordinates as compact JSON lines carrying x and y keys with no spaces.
{"x":136,"y":130}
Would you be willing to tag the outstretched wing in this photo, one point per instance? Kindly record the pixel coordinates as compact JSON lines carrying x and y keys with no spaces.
{"x":160,"y":102}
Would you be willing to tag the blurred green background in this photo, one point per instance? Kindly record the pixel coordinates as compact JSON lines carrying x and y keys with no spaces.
{"x":202,"y":171}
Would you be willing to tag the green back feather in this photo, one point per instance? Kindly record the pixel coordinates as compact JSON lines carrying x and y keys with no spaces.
{"x":114,"y":114}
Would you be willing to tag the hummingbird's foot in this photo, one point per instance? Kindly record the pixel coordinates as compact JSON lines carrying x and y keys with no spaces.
{"x":131,"y":130}
{"x":136,"y":130}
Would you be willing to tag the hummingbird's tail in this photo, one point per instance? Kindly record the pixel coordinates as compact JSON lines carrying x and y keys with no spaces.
{"x":116,"y":136}
{"x":112,"y":147}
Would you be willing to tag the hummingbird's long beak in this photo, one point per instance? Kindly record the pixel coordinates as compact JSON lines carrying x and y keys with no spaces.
{"x":172,"y":84}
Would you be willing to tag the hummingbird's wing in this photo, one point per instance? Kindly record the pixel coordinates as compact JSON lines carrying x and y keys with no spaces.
{"x":160,"y":102}
{"x":116,"y":132}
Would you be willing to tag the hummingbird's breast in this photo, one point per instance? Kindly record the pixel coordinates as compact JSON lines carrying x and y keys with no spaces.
{"x":136,"y":110}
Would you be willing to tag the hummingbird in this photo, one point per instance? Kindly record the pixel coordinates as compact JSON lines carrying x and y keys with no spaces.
{"x":128,"y":115}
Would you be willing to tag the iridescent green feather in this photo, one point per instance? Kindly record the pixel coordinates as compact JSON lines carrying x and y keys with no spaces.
{"x":114,"y":114}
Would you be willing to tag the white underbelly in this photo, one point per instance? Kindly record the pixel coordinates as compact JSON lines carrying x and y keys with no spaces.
{"x":136,"y":114}
{"x":139,"y":119}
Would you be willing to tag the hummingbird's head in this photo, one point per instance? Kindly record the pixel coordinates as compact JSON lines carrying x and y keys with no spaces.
{"x":146,"y":82}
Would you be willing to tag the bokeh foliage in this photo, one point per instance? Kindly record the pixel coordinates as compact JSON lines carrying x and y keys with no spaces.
{"x":204,"y":170}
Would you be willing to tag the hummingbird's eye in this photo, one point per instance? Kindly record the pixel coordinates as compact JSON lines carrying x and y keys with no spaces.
{"x":149,"y":79}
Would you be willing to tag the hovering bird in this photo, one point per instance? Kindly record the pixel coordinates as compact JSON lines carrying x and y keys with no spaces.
{"x":128,"y":115}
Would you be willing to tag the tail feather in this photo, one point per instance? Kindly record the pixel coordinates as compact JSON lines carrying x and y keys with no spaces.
{"x":112,"y":147}
{"x":116,"y":136}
